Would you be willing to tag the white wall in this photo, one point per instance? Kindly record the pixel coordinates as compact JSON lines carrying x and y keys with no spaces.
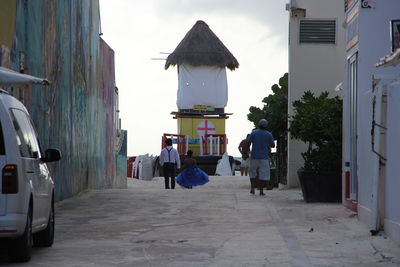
{"x":392,"y":186}
{"x":374,"y":43}
{"x":315,"y":67}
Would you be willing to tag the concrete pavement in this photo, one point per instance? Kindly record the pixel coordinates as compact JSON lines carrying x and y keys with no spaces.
{"x":219,"y":224}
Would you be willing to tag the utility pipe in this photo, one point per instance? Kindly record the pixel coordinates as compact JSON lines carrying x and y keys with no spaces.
{"x":376,"y":149}
{"x":375,"y":177}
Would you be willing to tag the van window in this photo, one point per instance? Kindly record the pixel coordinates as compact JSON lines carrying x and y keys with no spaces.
{"x":2,"y":148}
{"x":26,"y":136}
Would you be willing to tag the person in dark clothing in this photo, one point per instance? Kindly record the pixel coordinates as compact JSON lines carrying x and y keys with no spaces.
{"x":244,"y":150}
{"x":191,"y":175}
{"x":169,"y":159}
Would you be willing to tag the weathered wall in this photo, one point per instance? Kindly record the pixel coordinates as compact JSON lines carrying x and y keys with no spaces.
{"x":121,"y":161}
{"x":60,"y":41}
{"x":107,"y":79}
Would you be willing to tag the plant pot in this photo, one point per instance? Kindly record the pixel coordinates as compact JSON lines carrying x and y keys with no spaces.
{"x":321,"y":186}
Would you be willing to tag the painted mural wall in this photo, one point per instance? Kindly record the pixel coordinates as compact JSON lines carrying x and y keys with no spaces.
{"x":121,"y":160}
{"x":60,"y":40}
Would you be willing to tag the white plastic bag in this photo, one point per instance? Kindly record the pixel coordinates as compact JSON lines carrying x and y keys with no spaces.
{"x":223,"y":166}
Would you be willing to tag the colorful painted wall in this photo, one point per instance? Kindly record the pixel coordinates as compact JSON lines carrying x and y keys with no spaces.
{"x":196,"y":127}
{"x":60,"y":40}
{"x":121,"y":160}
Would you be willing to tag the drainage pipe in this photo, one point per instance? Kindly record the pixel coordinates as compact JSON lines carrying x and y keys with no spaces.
{"x":376,"y":107}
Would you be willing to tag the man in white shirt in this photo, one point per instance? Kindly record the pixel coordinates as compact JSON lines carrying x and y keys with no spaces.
{"x":170,"y":160}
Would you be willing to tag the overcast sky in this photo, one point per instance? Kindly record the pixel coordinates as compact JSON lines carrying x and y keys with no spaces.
{"x":254,"y":31}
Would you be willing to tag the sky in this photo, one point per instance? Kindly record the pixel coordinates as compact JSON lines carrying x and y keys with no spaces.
{"x":254,"y":31}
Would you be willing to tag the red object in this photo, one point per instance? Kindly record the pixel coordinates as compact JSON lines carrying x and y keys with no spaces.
{"x":131,"y":173}
{"x":222,"y":143}
{"x":350,"y":204}
{"x":180,"y":142}
{"x":206,"y":128}
{"x":10,"y":180}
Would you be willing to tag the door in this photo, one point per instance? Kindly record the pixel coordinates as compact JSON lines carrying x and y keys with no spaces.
{"x":353,"y":93}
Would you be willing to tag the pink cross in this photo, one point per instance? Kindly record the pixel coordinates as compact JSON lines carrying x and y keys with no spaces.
{"x":206,"y":128}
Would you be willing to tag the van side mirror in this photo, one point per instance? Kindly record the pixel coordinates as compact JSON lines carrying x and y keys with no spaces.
{"x":51,"y":155}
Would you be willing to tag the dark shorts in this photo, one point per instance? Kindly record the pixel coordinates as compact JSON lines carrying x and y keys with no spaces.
{"x":169,"y":170}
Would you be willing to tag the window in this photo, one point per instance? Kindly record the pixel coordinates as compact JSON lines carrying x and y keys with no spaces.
{"x":317,"y":32}
{"x":26,"y":137}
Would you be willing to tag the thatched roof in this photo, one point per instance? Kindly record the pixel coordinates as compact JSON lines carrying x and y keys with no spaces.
{"x":201,"y":47}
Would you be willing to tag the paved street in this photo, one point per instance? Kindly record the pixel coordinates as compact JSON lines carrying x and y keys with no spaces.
{"x":219,"y":224}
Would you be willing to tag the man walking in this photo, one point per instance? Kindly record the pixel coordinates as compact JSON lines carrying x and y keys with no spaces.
{"x":169,"y":159}
{"x":244,"y":150}
{"x":261,"y":142}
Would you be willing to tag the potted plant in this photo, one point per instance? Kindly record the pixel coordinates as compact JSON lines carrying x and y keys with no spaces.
{"x":317,"y":121}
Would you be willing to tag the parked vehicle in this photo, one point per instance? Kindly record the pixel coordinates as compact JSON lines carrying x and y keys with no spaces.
{"x":26,"y":187}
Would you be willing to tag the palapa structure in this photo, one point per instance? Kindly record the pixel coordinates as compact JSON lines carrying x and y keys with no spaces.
{"x":201,"y":47}
{"x":201,"y":59}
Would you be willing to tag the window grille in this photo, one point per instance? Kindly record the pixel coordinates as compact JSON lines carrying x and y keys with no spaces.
{"x":317,"y":32}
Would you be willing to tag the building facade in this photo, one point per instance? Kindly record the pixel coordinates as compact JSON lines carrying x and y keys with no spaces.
{"x":316,"y":53}
{"x":371,"y":127}
{"x":78,"y":112}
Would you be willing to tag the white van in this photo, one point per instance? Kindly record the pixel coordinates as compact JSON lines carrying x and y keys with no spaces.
{"x":26,"y":187}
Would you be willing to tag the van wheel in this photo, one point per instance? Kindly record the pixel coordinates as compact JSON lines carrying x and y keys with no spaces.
{"x":45,"y":238}
{"x":22,"y":246}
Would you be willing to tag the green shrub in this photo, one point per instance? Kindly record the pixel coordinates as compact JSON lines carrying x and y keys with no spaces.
{"x":318,"y":122}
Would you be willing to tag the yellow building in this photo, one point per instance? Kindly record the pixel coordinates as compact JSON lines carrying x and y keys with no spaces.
{"x":200,"y":127}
